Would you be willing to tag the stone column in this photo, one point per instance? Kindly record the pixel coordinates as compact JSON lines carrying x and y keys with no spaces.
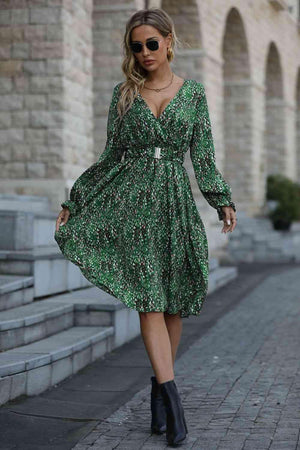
{"x":46,"y":96}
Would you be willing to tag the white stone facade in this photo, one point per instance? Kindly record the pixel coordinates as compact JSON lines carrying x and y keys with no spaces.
{"x":59,"y":60}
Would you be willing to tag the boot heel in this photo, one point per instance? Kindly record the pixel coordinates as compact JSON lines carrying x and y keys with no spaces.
{"x":176,"y":424}
{"x":158,"y":410}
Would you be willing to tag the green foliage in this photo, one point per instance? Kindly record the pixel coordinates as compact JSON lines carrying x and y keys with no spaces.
{"x":287,"y":193}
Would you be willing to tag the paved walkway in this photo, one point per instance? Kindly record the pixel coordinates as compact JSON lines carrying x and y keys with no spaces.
{"x":239,"y":382}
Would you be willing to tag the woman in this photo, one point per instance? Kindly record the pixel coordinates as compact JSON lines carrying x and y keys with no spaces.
{"x":131,"y":223}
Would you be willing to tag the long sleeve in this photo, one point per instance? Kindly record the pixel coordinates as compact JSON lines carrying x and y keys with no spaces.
{"x":211,"y":183}
{"x":111,"y":155}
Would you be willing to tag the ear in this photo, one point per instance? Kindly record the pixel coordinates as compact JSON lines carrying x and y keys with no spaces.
{"x":169,"y":39}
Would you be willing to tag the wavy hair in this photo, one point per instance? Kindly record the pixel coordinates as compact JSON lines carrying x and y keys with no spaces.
{"x":135,"y":74}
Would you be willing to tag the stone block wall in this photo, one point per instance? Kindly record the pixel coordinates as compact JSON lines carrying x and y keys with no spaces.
{"x":78,"y":87}
{"x":31,"y":89}
{"x":109,"y":20}
{"x":46,"y":112}
{"x":59,"y":60}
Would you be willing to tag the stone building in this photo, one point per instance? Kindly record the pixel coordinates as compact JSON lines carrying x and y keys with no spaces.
{"x":61,"y":58}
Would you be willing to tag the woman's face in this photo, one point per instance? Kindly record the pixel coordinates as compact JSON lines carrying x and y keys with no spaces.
{"x":144,"y":33}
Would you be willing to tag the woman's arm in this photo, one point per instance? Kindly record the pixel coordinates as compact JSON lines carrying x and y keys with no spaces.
{"x":211,"y":183}
{"x":111,"y":155}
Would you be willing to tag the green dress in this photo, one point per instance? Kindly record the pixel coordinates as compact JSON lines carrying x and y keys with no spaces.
{"x":134,"y":229}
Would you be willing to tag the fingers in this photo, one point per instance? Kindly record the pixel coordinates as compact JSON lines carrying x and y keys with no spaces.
{"x":62,"y":218}
{"x":229,"y":221}
{"x":59,"y":222}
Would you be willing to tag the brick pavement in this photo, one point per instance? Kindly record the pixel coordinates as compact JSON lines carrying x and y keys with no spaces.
{"x":239,"y":383}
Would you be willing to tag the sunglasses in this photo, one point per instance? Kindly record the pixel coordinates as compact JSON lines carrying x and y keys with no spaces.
{"x":152,"y":45}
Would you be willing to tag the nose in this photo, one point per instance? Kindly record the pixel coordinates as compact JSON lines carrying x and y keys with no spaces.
{"x":145,"y":50}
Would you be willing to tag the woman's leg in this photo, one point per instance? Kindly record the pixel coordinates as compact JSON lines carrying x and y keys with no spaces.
{"x":156,"y":338}
{"x":174,"y":326}
{"x":161,"y":334}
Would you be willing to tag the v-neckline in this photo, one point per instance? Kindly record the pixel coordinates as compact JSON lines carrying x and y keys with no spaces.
{"x":170,"y":102}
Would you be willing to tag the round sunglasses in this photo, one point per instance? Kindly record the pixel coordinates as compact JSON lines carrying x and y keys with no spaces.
{"x":152,"y":45}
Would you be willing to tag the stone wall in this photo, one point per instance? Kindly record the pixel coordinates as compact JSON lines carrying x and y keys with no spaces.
{"x":46,"y":104}
{"x":60,"y":59}
{"x":78,"y":86}
{"x":109,"y":20}
{"x":31,"y":86}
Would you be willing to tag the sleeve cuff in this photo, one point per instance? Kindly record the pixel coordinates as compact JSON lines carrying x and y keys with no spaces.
{"x":71,"y":206}
{"x":220,"y":211}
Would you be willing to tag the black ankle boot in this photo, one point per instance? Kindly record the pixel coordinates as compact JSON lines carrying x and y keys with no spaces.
{"x":158,"y":410}
{"x":176,"y":424}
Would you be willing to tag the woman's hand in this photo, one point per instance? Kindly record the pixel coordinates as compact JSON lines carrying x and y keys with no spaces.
{"x":63,"y":218}
{"x":229,"y":219}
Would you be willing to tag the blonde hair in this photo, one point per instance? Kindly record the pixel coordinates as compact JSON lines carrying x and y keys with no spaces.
{"x":135,"y":74}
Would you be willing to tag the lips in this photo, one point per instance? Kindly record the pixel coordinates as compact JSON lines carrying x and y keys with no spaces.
{"x":148,"y":60}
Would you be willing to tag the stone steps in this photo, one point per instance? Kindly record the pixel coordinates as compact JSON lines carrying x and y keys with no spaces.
{"x":255,"y":239}
{"x":213,"y":263}
{"x":28,"y":248}
{"x":28,"y":203}
{"x":220,"y":277}
{"x":31,"y":369}
{"x":51,"y":271}
{"x":28,"y":222}
{"x":89,"y":307}
{"x":15,"y":291}
{"x":29,"y":323}
{"x":45,"y":341}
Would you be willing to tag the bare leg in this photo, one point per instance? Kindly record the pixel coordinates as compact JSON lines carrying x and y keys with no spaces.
{"x":158,"y":346}
{"x":161,"y":334}
{"x":174,"y":326}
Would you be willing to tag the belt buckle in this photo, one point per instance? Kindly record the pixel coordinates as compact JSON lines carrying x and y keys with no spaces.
{"x":157,"y":152}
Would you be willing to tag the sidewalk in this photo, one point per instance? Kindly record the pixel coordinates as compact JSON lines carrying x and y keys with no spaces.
{"x":237,"y":370}
{"x":240,"y":383}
